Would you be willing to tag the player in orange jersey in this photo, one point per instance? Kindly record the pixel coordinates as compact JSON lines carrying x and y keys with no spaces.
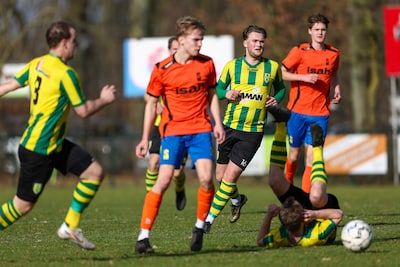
{"x":185,"y":81}
{"x":154,"y":150}
{"x":312,"y":69}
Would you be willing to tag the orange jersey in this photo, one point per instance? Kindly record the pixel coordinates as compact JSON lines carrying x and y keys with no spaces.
{"x":185,"y":91}
{"x":307,"y":98}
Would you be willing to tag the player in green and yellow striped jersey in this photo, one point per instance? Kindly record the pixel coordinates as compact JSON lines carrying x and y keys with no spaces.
{"x":247,"y":83}
{"x":54,"y":88}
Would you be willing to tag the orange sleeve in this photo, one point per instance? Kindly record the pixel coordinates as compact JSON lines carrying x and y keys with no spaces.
{"x":293,"y":59}
{"x":155,"y":87}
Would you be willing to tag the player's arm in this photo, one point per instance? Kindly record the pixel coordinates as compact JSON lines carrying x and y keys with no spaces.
{"x":150,"y":112}
{"x":289,"y":75}
{"x":219,"y":132}
{"x":335,"y":88}
{"x":9,"y":86}
{"x":273,"y":211}
{"x":335,"y":215}
{"x":107,"y":96}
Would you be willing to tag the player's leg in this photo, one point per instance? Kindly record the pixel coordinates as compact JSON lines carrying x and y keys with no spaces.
{"x":322,"y":121}
{"x":318,"y":195}
{"x":200,"y":149}
{"x":225,"y":191}
{"x":154,"y":159}
{"x":170,"y":157}
{"x":296,"y":131}
{"x":73,"y":159}
{"x":179,"y":179}
{"x":35,"y":171}
{"x":277,"y":181}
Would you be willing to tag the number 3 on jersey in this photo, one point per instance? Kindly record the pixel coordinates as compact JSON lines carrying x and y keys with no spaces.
{"x":38,"y":82}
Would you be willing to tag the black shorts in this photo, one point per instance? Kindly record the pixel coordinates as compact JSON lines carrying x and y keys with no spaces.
{"x":155,"y":141}
{"x":36,"y":169}
{"x":304,"y":198}
{"x":239,"y":147}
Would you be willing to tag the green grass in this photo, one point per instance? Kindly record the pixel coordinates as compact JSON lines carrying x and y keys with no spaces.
{"x":112,"y":222}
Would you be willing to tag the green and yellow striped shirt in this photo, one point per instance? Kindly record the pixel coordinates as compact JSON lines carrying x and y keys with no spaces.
{"x":254,"y":83}
{"x":54,"y":87}
{"x":316,"y":233}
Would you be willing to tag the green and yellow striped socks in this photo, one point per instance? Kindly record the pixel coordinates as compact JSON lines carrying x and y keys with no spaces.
{"x":179,"y":182}
{"x":83,"y":195}
{"x":221,"y":197}
{"x":8,"y":215}
{"x":151,"y":178}
{"x":318,"y":168}
{"x":278,"y":150}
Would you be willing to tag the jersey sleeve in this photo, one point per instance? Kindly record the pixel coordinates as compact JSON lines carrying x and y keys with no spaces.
{"x":292,"y":60}
{"x":326,"y":231}
{"x":276,"y":238}
{"x":70,"y":84}
{"x":279,"y":86}
{"x":155,"y":86}
{"x":223,"y":82}
{"x":22,"y":75}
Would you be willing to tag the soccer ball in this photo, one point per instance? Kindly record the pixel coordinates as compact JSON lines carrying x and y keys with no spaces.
{"x":356,"y":235}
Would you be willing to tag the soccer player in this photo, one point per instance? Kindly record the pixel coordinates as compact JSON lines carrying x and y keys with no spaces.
{"x":185,"y":81}
{"x":250,"y":79}
{"x":312,"y":69}
{"x":299,"y":226}
{"x":154,"y":150}
{"x":54,"y":88}
{"x":302,"y":223}
{"x":318,"y":197}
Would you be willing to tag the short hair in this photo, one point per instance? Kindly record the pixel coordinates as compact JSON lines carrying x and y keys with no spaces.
{"x":253,"y":28}
{"x":318,"y":18}
{"x":170,"y":40}
{"x":57,"y":32}
{"x":291,"y":214}
{"x":186,"y":24}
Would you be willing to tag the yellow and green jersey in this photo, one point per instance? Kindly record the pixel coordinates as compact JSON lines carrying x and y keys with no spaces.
{"x":316,"y":233}
{"x":54,"y":87}
{"x":254,"y":83}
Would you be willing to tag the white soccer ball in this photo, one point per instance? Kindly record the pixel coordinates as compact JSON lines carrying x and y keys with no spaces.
{"x":356,"y":235}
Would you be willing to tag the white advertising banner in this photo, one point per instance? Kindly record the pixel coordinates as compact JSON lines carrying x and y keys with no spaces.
{"x":140,"y":55}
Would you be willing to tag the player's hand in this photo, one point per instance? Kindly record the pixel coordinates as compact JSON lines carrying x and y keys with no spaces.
{"x":310,"y":78}
{"x":232,"y":95}
{"x":219,"y":133}
{"x":336,"y":97}
{"x":271,"y":101}
{"x":309,"y":215}
{"x":273,"y":210}
{"x":141,"y":149}
{"x":108,"y":93}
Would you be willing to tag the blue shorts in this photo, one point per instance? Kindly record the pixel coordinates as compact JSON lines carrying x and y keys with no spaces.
{"x":173,"y":148}
{"x":299,"y":128}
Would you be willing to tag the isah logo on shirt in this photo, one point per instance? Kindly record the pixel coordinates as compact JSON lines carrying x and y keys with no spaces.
{"x":191,"y":89}
{"x":319,"y":71}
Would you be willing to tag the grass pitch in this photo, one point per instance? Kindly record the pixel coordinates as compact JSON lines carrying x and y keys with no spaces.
{"x":112,"y":223}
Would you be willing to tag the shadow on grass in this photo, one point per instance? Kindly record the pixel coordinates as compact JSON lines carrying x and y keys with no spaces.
{"x":235,"y":249}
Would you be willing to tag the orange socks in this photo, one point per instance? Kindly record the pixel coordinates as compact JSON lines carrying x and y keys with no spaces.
{"x":204,"y":199}
{"x":291,"y":168}
{"x":151,"y":206}
{"x":306,"y":180}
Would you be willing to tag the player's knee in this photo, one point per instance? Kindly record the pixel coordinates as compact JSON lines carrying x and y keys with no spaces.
{"x":318,"y":200}
{"x":23,"y":206}
{"x":94,"y":172}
